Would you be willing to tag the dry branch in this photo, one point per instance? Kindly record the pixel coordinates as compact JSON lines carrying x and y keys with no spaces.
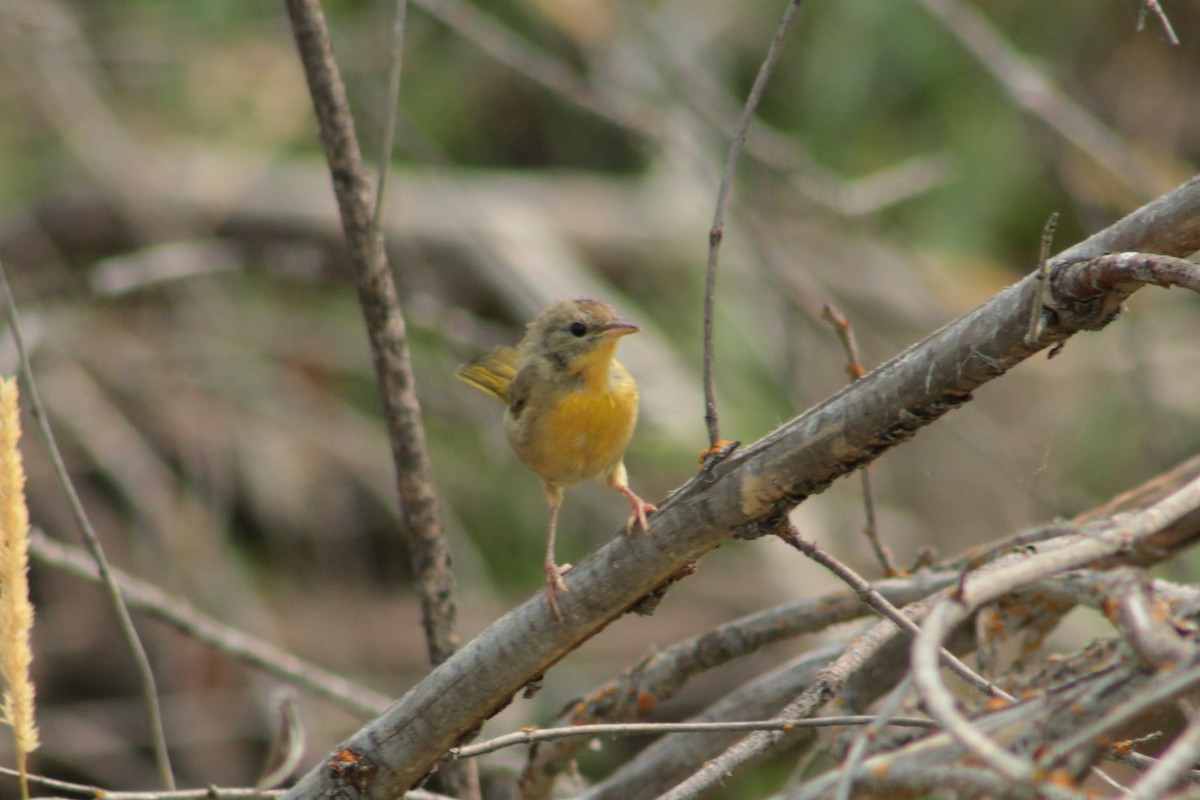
{"x":748,"y":494}
{"x":385,"y":328}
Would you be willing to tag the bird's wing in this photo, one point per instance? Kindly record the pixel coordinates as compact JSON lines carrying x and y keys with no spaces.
{"x":492,"y":373}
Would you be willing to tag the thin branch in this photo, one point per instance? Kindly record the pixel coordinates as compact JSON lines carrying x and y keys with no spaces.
{"x":54,"y":783}
{"x":95,"y":548}
{"x":1168,"y":28}
{"x":235,"y":643}
{"x":717,"y":231}
{"x":672,"y":758}
{"x":1169,"y":686}
{"x":867,"y":648}
{"x":1173,"y":764}
{"x":1178,"y":505}
{"x":389,"y":131}
{"x":869,"y":595}
{"x":205,"y":793}
{"x":859,"y":748}
{"x":845,"y":334}
{"x":659,"y":678}
{"x":459,"y":780}
{"x":644,"y":728}
{"x":1042,"y":272}
{"x":385,"y":328}
{"x":1097,"y":541}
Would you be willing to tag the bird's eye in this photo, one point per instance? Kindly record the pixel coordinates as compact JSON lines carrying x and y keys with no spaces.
{"x":577,"y":329}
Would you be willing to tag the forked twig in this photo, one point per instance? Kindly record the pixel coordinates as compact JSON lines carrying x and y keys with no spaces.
{"x":1168,"y":28}
{"x":717,"y":232}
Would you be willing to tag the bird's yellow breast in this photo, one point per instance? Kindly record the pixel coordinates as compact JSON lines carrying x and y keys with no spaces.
{"x":570,"y":434}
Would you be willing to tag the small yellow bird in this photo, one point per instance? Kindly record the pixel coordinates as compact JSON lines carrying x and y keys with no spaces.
{"x":572,"y":407}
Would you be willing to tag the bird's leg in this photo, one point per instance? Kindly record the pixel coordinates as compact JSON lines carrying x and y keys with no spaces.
{"x":554,"y":579}
{"x":618,"y":479}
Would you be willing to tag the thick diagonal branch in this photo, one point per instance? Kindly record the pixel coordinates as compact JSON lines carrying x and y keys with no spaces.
{"x":749,"y":492}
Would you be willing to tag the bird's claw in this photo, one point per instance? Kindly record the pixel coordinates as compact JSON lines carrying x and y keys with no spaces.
{"x":554,"y":583}
{"x":641,"y":510}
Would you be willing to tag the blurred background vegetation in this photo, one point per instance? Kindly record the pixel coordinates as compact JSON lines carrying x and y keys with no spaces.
{"x":167,"y":222}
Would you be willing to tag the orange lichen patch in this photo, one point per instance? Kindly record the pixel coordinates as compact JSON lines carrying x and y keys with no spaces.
{"x":992,"y":622}
{"x":996,"y":703}
{"x":1061,"y":779}
{"x":715,"y":453}
{"x":646,"y":702}
{"x":881,"y":770}
{"x":1162,"y":609}
{"x":1122,"y":748}
{"x":350,"y":766}
{"x":1111,"y":609}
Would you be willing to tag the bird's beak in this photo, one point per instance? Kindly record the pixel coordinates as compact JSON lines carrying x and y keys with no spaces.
{"x":617,"y":329}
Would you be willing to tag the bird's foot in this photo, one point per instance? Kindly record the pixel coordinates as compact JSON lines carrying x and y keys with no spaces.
{"x":641,"y":510}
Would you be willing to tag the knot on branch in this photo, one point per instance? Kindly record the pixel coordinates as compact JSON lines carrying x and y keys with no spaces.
{"x":1087,"y":294}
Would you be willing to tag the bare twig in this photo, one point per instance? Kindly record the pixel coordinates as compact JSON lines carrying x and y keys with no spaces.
{"x":95,"y":548}
{"x":643,"y":728}
{"x":717,"y":231}
{"x":1156,"y":7}
{"x":1174,"y":763}
{"x":1115,"y":272}
{"x":661,"y":677}
{"x":985,"y":586}
{"x":389,"y":131}
{"x":1132,"y":606}
{"x":866,"y":648}
{"x":459,"y":780}
{"x":859,"y":748}
{"x":845,"y":334}
{"x":672,"y":758}
{"x":1042,"y":272}
{"x":1168,"y":686}
{"x":385,"y":329}
{"x":205,"y":793}
{"x":885,"y":609}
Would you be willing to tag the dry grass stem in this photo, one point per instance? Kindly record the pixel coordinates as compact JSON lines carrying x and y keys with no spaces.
{"x":16,"y":612}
